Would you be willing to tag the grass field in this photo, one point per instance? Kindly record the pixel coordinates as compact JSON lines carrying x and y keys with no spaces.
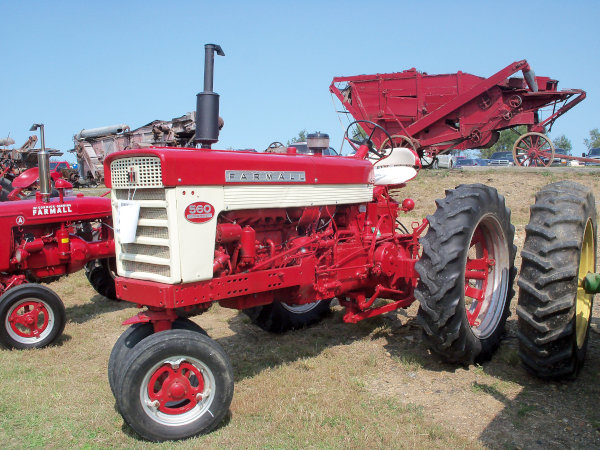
{"x":333,"y":385}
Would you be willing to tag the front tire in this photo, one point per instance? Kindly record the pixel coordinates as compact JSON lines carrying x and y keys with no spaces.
{"x":32,"y":316}
{"x":466,"y":274}
{"x":131,"y":337}
{"x":554,"y":311}
{"x":176,"y":384}
{"x":278,"y":317}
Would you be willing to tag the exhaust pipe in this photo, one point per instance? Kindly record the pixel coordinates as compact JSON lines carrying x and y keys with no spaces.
{"x":207,"y":102}
{"x":43,"y":164}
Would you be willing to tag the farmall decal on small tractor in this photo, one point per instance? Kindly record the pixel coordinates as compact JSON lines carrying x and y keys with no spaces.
{"x":46,"y":237}
{"x":279,"y":236}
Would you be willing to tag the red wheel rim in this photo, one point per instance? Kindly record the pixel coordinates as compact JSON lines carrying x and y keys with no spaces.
{"x":176,"y":388}
{"x":477,"y":271}
{"x":531,"y":151}
{"x":29,"y":319}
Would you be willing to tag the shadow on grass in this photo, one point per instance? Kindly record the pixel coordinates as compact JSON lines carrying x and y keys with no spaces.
{"x":544,"y":414}
{"x":253,"y":350}
{"x":98,"y":304}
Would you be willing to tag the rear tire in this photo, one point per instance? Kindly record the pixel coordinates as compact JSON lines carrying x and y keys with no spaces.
{"x":102,"y":277}
{"x":278,"y":317}
{"x":176,"y":384}
{"x":554,"y":311}
{"x":31,"y":316}
{"x":466,"y":274}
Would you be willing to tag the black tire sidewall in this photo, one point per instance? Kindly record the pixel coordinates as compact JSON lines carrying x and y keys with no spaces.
{"x":441,"y":288}
{"x":275,"y":318}
{"x":100,"y":276}
{"x":31,"y":290}
{"x":131,"y":337}
{"x":157,"y":348}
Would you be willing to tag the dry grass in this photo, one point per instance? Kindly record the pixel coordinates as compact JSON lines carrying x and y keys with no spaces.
{"x":333,"y":385}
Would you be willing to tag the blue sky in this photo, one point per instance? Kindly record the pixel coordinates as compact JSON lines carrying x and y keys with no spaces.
{"x":75,"y":65}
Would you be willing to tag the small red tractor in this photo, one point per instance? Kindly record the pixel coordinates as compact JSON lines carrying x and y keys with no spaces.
{"x":279,"y":235}
{"x":47,"y":237}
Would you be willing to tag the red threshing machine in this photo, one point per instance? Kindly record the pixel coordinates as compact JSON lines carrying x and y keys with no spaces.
{"x":45,"y":239}
{"x":434,"y":114}
{"x":279,"y":235}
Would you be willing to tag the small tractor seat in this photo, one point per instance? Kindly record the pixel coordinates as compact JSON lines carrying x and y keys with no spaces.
{"x":401,"y":166}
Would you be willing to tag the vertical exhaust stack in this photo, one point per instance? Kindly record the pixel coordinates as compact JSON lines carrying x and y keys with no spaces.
{"x":43,"y":163}
{"x":207,"y":102}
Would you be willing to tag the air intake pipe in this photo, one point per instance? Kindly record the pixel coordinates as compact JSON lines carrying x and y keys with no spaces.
{"x":207,"y":102}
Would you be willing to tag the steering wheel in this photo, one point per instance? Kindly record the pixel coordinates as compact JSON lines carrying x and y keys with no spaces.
{"x":367,"y":141}
{"x":274,"y":145}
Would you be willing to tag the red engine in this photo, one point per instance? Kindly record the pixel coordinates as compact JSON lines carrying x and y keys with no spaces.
{"x":354,"y":250}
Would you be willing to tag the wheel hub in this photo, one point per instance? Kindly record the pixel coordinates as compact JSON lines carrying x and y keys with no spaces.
{"x":485,"y":277}
{"x":177,"y":387}
{"x":177,"y":390}
{"x":28,"y":319}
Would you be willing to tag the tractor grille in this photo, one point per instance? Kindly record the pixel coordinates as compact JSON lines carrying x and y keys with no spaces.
{"x":142,"y":194}
{"x":149,"y":257}
{"x":136,"y":172}
{"x":152,"y":232}
{"x":140,"y":267}
{"x":159,"y":251}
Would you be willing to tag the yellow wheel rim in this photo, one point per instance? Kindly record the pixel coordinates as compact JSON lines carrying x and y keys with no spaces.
{"x":587,"y":264}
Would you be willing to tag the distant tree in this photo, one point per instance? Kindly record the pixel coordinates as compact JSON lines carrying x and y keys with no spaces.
{"x":505,"y":142}
{"x":563,"y":142}
{"x":358,"y":134}
{"x":300,"y":138}
{"x":594,"y":140}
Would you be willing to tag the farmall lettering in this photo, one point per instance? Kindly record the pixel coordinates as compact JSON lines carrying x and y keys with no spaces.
{"x":46,"y":210}
{"x":264,"y":176}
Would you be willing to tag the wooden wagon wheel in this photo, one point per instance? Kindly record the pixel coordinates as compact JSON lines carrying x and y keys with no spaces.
{"x":533,"y":150}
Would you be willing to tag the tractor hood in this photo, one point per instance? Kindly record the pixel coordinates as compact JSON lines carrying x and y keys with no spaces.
{"x":194,"y":167}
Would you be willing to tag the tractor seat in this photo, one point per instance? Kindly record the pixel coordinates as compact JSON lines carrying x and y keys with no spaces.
{"x":401,"y":166}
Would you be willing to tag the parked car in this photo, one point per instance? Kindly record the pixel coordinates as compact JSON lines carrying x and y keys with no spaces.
{"x":466,"y":162}
{"x":483,"y":162}
{"x":595,"y":154}
{"x":501,"y":159}
{"x":441,"y":161}
{"x":558,"y":161}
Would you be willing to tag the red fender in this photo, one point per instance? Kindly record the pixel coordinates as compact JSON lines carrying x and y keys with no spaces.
{"x":30,"y":177}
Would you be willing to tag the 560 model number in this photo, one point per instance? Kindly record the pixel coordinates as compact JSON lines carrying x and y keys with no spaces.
{"x":199,"y":212}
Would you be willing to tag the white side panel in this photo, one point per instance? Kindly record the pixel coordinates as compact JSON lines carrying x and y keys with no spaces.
{"x":197,"y":240}
{"x":265,"y":196}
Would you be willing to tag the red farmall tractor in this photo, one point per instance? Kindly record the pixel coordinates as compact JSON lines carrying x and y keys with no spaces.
{"x":47,"y":237}
{"x":279,"y":236}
